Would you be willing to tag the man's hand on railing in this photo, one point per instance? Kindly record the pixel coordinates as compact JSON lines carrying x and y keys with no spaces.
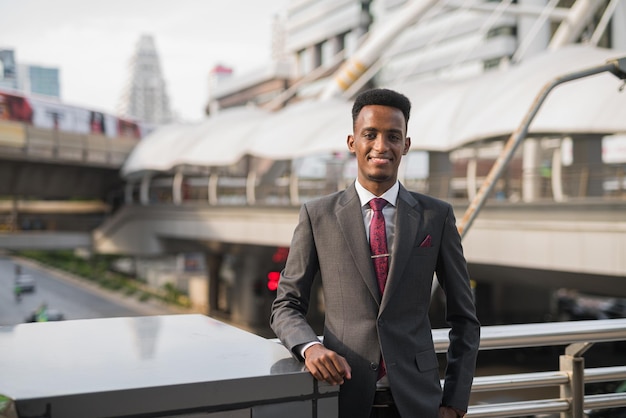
{"x":326,"y":365}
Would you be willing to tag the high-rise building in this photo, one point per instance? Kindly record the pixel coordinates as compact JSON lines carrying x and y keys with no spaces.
{"x":40,"y":80}
{"x":144,"y":96}
{"x":402,"y":40}
{"x":8,"y":71}
{"x":28,"y":78}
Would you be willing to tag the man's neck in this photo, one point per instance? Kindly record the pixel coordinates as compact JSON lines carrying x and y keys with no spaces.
{"x":391,"y":194}
{"x":377,"y":189}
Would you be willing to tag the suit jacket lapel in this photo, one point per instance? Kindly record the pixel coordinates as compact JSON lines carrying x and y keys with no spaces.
{"x":408,"y":219}
{"x":351,"y":223}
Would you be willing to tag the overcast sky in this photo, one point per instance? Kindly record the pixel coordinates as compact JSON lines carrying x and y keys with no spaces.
{"x":92,"y":42}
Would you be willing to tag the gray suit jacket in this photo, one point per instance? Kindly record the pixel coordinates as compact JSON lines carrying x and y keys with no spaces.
{"x":330,"y":239}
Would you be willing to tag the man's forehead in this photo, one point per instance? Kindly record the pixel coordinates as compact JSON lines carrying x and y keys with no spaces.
{"x":393,"y":115}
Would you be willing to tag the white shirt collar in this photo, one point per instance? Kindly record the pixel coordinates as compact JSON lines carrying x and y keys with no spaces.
{"x":391,"y":195}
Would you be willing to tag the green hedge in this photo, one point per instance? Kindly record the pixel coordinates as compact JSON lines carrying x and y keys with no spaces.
{"x":96,"y":269}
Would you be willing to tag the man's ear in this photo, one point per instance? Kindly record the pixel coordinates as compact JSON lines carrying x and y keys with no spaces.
{"x":350,"y":142}
{"x":407,"y":145}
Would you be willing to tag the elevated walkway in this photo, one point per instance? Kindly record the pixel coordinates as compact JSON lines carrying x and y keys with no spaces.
{"x":549,"y":244}
{"x":54,"y":164}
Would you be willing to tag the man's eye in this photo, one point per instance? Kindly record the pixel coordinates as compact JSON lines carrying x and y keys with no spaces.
{"x":369,"y":135}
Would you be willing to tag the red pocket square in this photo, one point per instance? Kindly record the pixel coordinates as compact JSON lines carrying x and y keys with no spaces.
{"x":426,"y":242}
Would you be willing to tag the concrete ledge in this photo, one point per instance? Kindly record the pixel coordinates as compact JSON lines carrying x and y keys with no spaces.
{"x":157,"y":366}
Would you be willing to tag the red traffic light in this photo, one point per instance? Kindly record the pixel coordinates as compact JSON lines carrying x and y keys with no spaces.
{"x":272,"y":280}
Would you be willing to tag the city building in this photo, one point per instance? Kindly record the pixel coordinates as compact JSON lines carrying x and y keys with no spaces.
{"x":8,"y":70}
{"x":309,"y":41}
{"x":40,"y":80}
{"x":258,"y":87}
{"x":409,"y":40}
{"x":145,"y":96}
{"x":28,"y":78}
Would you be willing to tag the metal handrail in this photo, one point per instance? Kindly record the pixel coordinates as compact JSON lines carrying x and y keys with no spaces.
{"x":575,"y":335}
{"x":519,"y":381}
{"x":516,"y":409}
{"x":605,"y":400}
{"x":543,"y":406}
{"x":544,"y":379}
{"x":295,"y":187}
{"x":542,"y":334}
{"x":572,"y":334}
{"x":601,"y":374}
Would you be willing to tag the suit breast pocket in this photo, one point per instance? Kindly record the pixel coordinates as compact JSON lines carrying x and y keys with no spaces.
{"x":423,"y":260}
{"x":423,"y":251}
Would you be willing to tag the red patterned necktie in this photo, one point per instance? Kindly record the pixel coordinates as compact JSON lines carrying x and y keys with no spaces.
{"x":378,"y":242}
{"x":380,"y":256}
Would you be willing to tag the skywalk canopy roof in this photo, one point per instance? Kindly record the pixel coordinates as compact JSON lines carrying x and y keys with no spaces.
{"x":445,"y":116}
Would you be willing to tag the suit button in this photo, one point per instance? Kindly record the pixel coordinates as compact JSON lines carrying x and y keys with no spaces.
{"x":374,"y":366}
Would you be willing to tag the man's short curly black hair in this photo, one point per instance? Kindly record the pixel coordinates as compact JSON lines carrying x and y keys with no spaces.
{"x":383,"y":97}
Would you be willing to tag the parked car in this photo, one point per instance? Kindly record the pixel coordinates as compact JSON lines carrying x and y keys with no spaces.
{"x":575,"y":306}
{"x":25,"y":282}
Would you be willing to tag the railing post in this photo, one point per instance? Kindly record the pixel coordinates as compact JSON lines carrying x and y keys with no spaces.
{"x":573,"y":364}
{"x":251,"y":187}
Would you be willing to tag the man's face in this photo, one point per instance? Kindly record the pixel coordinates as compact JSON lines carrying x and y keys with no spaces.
{"x":379,"y":141}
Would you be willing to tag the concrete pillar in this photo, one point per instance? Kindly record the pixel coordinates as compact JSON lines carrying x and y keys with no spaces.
{"x":144,"y":191}
{"x":585,"y":172}
{"x":557,"y":176}
{"x":177,"y":188}
{"x":439,"y":173}
{"x":531,"y":164}
{"x":213,"y":264}
{"x":199,"y":293}
{"x":471,"y":177}
{"x":243,"y":310}
{"x":250,"y":294}
{"x":128,"y":193}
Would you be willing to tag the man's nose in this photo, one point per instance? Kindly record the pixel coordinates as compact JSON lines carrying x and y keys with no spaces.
{"x":380,"y":144}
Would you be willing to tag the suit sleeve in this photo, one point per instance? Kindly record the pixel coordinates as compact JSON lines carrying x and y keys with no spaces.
{"x":289,"y":309}
{"x":461,"y":316}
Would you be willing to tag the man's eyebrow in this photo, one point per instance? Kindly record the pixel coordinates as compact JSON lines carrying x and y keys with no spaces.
{"x":392,"y":130}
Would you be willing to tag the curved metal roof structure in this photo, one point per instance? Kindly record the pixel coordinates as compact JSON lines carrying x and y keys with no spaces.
{"x":445,"y":116}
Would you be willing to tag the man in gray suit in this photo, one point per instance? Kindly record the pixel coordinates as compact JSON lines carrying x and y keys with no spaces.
{"x":377,"y":340}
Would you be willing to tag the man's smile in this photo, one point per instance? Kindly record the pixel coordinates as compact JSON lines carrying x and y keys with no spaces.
{"x":379,"y":160}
